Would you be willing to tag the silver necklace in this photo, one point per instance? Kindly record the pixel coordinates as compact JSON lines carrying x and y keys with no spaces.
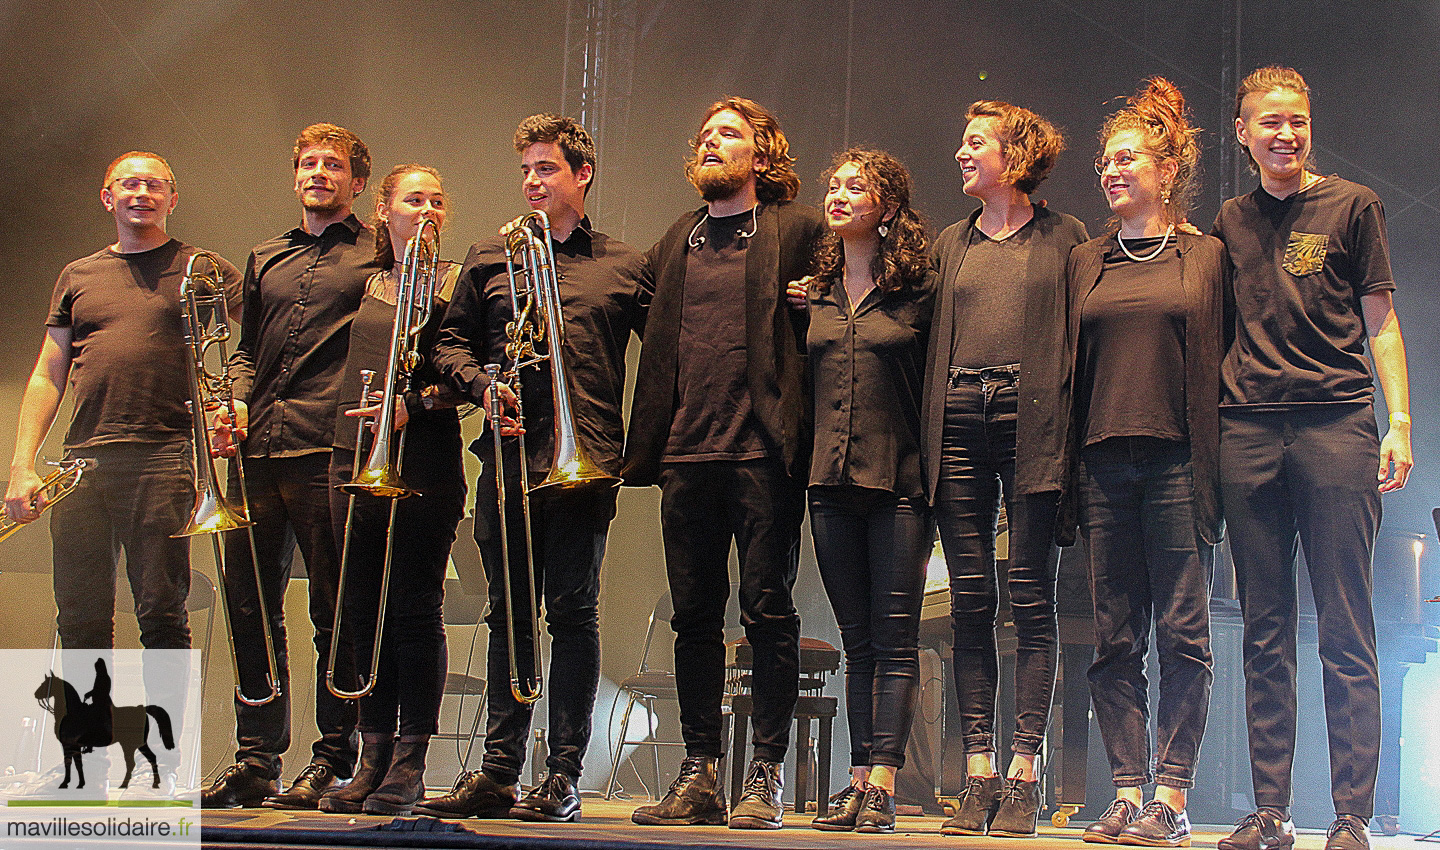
{"x":1169,"y":231}
{"x":695,"y":239}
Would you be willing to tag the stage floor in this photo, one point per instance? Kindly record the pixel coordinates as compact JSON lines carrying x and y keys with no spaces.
{"x":607,"y":826}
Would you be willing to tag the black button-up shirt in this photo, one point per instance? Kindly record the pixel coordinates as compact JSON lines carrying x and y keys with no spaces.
{"x":869,"y":366}
{"x":301,"y":292}
{"x":597,"y":277}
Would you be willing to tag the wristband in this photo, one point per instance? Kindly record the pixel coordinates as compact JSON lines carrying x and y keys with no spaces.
{"x":1398,"y":418}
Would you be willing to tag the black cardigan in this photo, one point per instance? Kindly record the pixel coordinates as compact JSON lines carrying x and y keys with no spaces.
{"x":1203,"y":274}
{"x":1045,"y":365}
{"x":781,"y":250}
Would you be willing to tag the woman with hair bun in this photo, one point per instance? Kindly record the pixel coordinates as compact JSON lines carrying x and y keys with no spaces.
{"x":1145,"y":323}
{"x":992,"y":428}
{"x":870,"y":304}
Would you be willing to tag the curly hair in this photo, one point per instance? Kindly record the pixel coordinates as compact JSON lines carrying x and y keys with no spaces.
{"x":384,"y":250}
{"x":778,"y":182}
{"x":1265,"y":80}
{"x":566,"y":133}
{"x":904,"y":257}
{"x":1029,"y":142}
{"x":344,"y":141}
{"x":1158,"y":112}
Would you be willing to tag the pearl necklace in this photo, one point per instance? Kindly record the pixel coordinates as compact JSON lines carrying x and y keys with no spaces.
{"x":1169,"y":231}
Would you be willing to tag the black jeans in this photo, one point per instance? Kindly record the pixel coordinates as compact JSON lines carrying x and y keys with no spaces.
{"x":977,"y":468}
{"x":136,"y":496}
{"x":290,"y":505}
{"x":1306,"y":477}
{"x":872,"y":547}
{"x":568,"y":533}
{"x":703,"y":506}
{"x":410,"y":675}
{"x":1147,"y":564}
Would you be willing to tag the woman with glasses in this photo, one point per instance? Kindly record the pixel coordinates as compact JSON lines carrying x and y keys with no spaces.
{"x":398,"y":717}
{"x":1146,"y":306}
{"x":870,"y":302}
{"x":992,"y":428}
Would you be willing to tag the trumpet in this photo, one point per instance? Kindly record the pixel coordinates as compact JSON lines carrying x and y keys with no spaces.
{"x":207,"y":327}
{"x":380,"y":476}
{"x":535,"y":303}
{"x":55,"y":486}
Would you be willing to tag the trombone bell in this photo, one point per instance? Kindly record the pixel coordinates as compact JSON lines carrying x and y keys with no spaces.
{"x":212,"y":514}
{"x":383,"y":481}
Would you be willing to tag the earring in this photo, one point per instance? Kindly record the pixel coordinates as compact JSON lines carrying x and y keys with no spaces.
{"x":1165,"y":195}
{"x":884,"y":229}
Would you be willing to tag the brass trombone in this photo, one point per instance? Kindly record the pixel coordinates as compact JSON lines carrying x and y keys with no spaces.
{"x":535,"y":303}
{"x":380,"y":476}
{"x":54,"y":487}
{"x":207,"y":326}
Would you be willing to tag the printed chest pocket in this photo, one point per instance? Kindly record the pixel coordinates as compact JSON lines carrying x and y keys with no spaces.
{"x":1305,"y":253}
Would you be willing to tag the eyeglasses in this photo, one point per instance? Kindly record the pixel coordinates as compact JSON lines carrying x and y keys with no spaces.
{"x":1123,"y":159}
{"x":156,"y":185}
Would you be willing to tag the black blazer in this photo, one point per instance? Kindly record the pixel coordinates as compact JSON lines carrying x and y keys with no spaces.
{"x":1204,"y":273}
{"x":1044,"y":363}
{"x":782,"y":250}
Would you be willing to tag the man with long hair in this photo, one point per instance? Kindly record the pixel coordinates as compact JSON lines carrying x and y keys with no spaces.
{"x":721,"y":422}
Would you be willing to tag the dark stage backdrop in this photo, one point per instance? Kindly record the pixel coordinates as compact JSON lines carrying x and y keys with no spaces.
{"x":221,"y":88}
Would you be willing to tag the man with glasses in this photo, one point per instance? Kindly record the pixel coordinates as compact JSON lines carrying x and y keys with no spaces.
{"x":115,"y":334}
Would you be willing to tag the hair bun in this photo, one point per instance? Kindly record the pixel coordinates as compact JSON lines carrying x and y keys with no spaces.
{"x":1159,"y":97}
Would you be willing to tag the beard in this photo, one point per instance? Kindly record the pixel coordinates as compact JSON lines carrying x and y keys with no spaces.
{"x":719,"y":181}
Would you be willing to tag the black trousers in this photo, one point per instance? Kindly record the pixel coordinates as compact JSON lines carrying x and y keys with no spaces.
{"x":410,"y":674}
{"x":977,"y":469}
{"x":703,"y":507}
{"x":872,"y":547}
{"x":568,"y":534}
{"x":136,"y":496}
{"x":290,"y":506}
{"x":1306,"y":477}
{"x":1147,"y":566}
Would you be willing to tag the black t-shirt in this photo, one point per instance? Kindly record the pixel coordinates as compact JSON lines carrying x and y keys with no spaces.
{"x":1301,"y":266}
{"x":370,"y":334}
{"x":1132,"y":347}
{"x":714,"y":417}
{"x":989,"y":298}
{"x":127,"y":339}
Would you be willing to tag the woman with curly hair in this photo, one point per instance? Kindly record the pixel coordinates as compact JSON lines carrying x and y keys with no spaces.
{"x":870,"y":301}
{"x":1146,"y":307}
{"x":993,"y":428}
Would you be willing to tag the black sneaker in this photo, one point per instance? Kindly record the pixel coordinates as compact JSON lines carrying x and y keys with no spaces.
{"x":760,"y":805}
{"x":1157,"y":826}
{"x":695,"y":797}
{"x":1348,"y":832}
{"x":977,"y":807}
{"x":1018,"y":810}
{"x":475,"y":795}
{"x":1107,"y":829}
{"x":305,"y":792}
{"x":1259,"y":830}
{"x":241,"y":786}
{"x":844,"y":806}
{"x":554,"y":800}
{"x":877,"y":812}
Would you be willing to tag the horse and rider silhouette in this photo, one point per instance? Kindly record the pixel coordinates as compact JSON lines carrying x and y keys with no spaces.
{"x":81,"y":725}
